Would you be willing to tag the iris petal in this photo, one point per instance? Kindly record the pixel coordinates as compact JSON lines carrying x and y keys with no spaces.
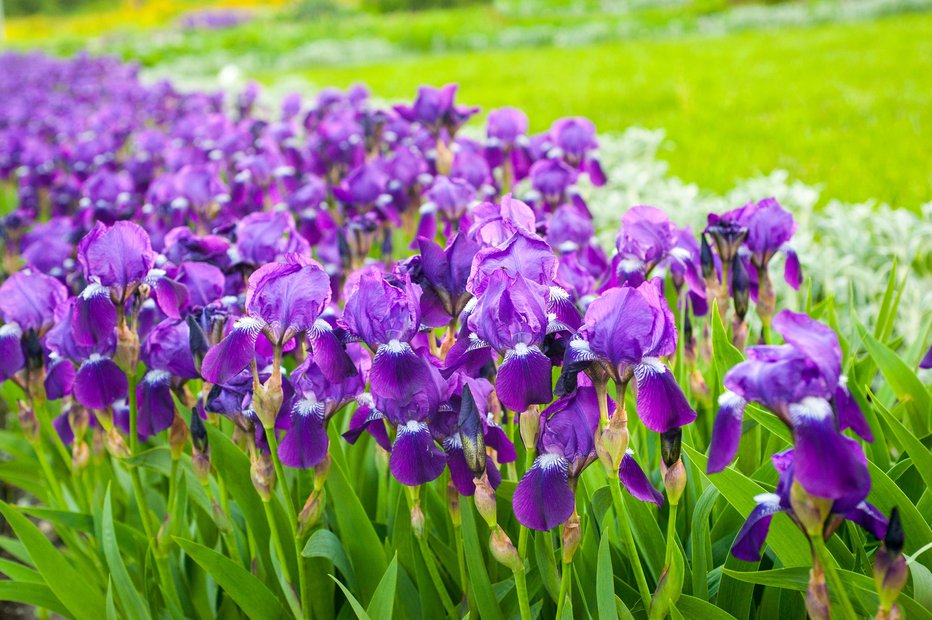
{"x":524,"y":379}
{"x":415,"y":459}
{"x":726,"y":432}
{"x":661,"y":403}
{"x":543,"y":498}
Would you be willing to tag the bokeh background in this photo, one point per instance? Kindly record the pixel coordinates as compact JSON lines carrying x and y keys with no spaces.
{"x":835,"y":92}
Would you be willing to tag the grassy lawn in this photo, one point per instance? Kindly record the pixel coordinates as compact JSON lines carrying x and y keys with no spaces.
{"x":848,"y":106}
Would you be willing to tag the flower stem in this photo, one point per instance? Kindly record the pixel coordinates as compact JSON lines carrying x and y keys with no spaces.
{"x":628,"y":539}
{"x":671,"y":534}
{"x":834,"y":579}
{"x":523,"y":534}
{"x":521,"y":591}
{"x":565,"y":588}
{"x":280,"y":475}
{"x":283,"y":560}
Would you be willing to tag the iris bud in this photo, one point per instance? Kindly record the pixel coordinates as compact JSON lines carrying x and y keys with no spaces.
{"x":471,"y":434}
{"x":198,"y":432}
{"x":817,"y":600}
{"x":80,"y":455}
{"x":197,"y":339}
{"x":706,"y":260}
{"x":741,"y":287}
{"x":321,"y":471}
{"x":671,"y":467}
{"x":890,"y":569}
{"x":504,"y":550}
{"x":220,"y":517}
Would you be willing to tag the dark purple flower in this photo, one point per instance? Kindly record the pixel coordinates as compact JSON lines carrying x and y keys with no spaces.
{"x":444,"y":276}
{"x":99,"y":383}
{"x":544,"y":497}
{"x":12,"y":358}
{"x":32,"y":300}
{"x":118,"y":256}
{"x":155,"y":402}
{"x":434,"y":108}
{"x":926,"y":361}
{"x":631,"y":329}
{"x":306,"y":442}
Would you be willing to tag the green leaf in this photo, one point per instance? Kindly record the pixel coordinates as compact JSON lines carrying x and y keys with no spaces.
{"x":383,"y":601}
{"x":604,"y":584}
{"x":702,"y":542}
{"x":784,"y":539}
{"x":360,"y":612}
{"x":921,"y":455}
{"x":360,"y":540}
{"x":669,"y":588}
{"x":885,"y":494}
{"x":863,"y":586}
{"x":325,"y":544}
{"x":18,"y":572}
{"x":252,"y":596}
{"x":906,"y":385}
{"x":698,"y":609}
{"x":81,"y":598}
{"x":475,"y":565}
{"x":35,"y":594}
{"x":724,"y":353}
{"x":133,"y":603}
{"x":922,"y":584}
{"x":233,"y":465}
{"x":111,"y":605}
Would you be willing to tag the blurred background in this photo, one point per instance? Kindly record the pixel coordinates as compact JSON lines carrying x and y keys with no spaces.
{"x":835,"y":92}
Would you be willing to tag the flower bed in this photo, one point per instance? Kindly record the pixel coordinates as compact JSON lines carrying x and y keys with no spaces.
{"x":308,"y":363}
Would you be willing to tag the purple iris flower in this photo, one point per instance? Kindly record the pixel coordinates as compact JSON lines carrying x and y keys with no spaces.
{"x":849,"y":505}
{"x":268,"y":236}
{"x":808,"y":366}
{"x":523,"y":254}
{"x":575,"y":137}
{"x":386,"y":316}
{"x":493,"y":224}
{"x":434,"y":109}
{"x":648,"y":239}
{"x":511,"y":316}
{"x":628,"y":330}
{"x":926,"y":361}
{"x":545,"y":497}
{"x":283,"y":300}
{"x":32,"y":300}
{"x":443,"y":277}
{"x":118,"y":257}
{"x":553,"y":178}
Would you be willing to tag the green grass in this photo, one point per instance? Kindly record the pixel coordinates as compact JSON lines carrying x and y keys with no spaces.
{"x":848,"y":106}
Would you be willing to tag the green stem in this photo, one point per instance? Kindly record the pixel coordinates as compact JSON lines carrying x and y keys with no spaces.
{"x":523,"y":533}
{"x":671,"y":534}
{"x":282,"y":481}
{"x":172,"y":487}
{"x":564,"y":588}
{"x":628,"y":539}
{"x":834,"y":579}
{"x":133,"y":414}
{"x":283,"y":560}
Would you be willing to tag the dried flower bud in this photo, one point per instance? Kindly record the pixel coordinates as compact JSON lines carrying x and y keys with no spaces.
{"x":417,"y":520}
{"x":529,"y":425}
{"x":485,"y":500}
{"x":614,"y":441}
{"x":818,"y":603}
{"x":310,"y":514}
{"x":28,"y":422}
{"x":80,"y":456}
{"x":504,"y":550}
{"x":267,"y":399}
{"x":321,"y":471}
{"x":572,"y":535}
{"x":177,"y":437}
{"x":115,"y":444}
{"x":127,"y":350}
{"x":78,"y":418}
{"x":262,"y":473}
